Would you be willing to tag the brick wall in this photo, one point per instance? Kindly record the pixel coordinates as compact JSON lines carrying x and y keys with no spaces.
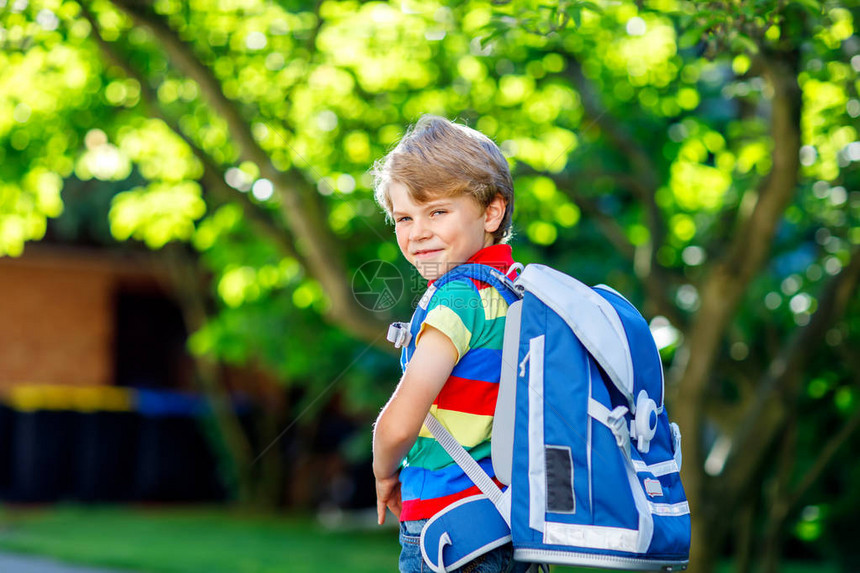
{"x":56,"y":323}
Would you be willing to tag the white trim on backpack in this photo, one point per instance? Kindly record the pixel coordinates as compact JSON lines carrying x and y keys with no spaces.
{"x":537,"y":454}
{"x":440,"y":566}
{"x":591,"y":536}
{"x":425,"y":298}
{"x":614,"y":420}
{"x":657,"y":470}
{"x":591,"y":318}
{"x":502,"y":444}
{"x":588,"y":450}
{"x":660,"y":406}
{"x":598,"y":560}
{"x":681,"y":508}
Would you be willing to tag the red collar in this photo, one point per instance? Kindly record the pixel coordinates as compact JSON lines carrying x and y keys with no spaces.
{"x":497,"y":256}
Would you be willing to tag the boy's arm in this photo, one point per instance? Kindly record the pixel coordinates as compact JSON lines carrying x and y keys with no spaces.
{"x":400,"y":421}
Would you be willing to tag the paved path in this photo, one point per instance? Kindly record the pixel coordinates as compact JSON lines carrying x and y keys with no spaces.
{"x":27,"y":564}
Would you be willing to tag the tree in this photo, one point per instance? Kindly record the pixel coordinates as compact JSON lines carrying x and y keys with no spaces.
{"x":700,"y":156}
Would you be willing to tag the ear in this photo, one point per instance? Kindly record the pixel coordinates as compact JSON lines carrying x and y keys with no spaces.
{"x":494,"y":213}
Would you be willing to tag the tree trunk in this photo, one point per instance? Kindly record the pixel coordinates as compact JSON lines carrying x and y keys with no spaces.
{"x":745,"y":537}
{"x":230,"y":432}
{"x":779,"y":499}
{"x":721,"y":295}
{"x":703,"y":554}
{"x":270,"y":467}
{"x":186,"y":285}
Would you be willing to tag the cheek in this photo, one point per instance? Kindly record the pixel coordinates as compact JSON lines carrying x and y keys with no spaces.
{"x":400,"y":237}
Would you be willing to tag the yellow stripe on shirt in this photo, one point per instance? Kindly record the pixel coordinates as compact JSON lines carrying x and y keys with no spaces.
{"x":469,"y":429}
{"x":494,"y":304}
{"x":447,"y":321}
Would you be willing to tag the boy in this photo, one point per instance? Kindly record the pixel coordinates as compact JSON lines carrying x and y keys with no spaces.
{"x":449,"y":192}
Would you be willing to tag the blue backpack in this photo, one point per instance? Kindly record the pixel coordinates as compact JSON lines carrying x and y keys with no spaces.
{"x":580,"y":438}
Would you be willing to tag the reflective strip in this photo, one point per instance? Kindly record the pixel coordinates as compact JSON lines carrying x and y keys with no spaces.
{"x":646,"y":521}
{"x":537,"y":457}
{"x":676,"y":443}
{"x":598,"y":560}
{"x":588,"y":449}
{"x":592,"y":536}
{"x":425,"y":298}
{"x":657,"y":470}
{"x":506,"y":403}
{"x":681,"y":508}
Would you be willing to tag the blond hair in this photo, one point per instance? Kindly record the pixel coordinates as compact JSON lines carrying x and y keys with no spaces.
{"x":438,"y":157}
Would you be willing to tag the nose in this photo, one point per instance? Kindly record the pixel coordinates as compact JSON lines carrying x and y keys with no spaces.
{"x":420,"y":229}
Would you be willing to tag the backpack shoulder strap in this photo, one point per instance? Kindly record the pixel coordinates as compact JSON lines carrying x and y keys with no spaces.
{"x":468,"y":464}
{"x":483,"y":273}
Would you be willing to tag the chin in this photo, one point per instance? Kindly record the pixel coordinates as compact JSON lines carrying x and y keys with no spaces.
{"x":429,"y":274}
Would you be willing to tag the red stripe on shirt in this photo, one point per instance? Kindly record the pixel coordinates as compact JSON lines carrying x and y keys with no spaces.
{"x":425,"y":508}
{"x":469,"y":396}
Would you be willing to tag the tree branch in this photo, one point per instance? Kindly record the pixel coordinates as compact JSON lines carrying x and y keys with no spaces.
{"x":623,"y":141}
{"x":643,"y":182}
{"x":610,"y":228}
{"x":825,"y":457}
{"x":645,"y":172}
{"x":213,"y":176}
{"x":299,"y":202}
{"x":657,"y":280}
{"x":724,"y":287}
{"x":765,"y":416}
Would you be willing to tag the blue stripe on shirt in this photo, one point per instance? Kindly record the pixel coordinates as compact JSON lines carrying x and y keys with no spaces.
{"x":483,"y":364}
{"x":418,"y":483}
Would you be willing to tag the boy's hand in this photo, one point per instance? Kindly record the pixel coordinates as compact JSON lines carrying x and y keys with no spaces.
{"x":388,"y":496}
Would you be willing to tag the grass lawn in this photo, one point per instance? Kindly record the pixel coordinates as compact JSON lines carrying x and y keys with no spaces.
{"x":166,"y":540}
{"x":195,"y":540}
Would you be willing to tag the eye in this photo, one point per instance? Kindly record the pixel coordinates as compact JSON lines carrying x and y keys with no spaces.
{"x":439,"y":212}
{"x":401,"y":220}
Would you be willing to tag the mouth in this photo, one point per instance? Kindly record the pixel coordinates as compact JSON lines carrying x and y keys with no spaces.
{"x":425,"y":253}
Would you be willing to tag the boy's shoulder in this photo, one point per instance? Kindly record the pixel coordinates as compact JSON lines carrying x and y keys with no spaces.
{"x":471,"y":299}
{"x":453,"y":294}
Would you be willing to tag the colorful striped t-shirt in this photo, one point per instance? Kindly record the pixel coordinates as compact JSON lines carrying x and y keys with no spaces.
{"x":472,"y":314}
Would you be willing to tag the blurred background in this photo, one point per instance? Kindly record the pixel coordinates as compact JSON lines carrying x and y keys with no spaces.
{"x":195,"y":281}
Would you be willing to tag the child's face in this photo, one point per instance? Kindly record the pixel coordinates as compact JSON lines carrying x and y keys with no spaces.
{"x":438,"y":235}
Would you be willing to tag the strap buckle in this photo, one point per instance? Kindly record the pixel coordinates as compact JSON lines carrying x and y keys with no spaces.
{"x":618,"y":424}
{"x":399,"y":335}
{"x":644,"y":423}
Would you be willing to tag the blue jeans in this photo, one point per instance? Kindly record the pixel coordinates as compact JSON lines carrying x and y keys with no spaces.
{"x":499,"y":560}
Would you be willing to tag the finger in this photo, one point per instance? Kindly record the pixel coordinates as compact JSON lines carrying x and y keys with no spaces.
{"x":396,"y":508}
{"x":396,"y":504}
{"x":380,"y":511}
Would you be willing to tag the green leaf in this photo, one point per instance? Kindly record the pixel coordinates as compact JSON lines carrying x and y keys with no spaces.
{"x":691,"y":37}
{"x":813,"y":7}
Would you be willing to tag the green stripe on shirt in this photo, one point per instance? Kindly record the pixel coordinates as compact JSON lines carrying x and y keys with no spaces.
{"x":433,"y":456}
